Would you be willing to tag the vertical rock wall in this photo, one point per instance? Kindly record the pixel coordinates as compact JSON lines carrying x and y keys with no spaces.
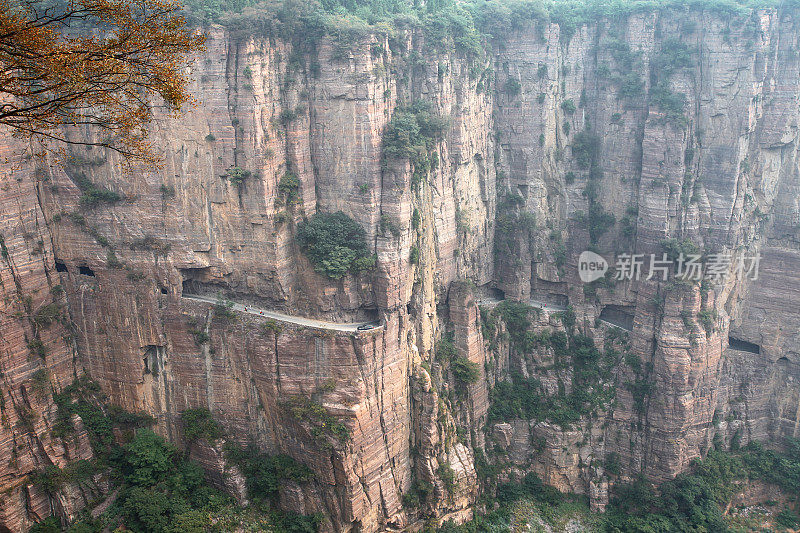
{"x":725,"y":176}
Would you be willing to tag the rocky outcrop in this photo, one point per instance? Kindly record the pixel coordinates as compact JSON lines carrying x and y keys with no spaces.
{"x":711,"y":176}
{"x":567,"y":132}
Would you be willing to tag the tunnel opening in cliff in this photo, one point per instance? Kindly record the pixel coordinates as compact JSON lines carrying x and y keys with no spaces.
{"x":486,"y":292}
{"x":552,"y":292}
{"x":743,"y":346}
{"x":368,"y":314}
{"x":196,"y":283}
{"x":60,"y":266}
{"x":86,"y":271}
{"x":618,"y":315}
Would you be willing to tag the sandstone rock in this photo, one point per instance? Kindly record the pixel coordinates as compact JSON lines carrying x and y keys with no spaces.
{"x":725,"y":177}
{"x":503,"y":434}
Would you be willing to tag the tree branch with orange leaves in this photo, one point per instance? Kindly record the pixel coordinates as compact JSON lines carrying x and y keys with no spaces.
{"x":127,"y":57}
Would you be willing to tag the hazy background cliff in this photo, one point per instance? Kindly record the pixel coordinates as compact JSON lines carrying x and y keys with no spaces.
{"x":558,"y":141}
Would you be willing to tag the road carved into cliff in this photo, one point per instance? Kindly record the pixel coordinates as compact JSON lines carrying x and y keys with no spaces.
{"x":548,"y":306}
{"x":300,"y":321}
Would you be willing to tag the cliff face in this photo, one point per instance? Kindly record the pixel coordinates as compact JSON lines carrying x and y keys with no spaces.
{"x":38,"y":349}
{"x":566,"y":126}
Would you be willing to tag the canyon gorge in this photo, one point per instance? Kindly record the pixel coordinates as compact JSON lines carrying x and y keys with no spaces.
{"x":657,"y":132}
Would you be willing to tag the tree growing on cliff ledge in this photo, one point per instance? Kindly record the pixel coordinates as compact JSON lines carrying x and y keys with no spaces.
{"x":96,"y":64}
{"x":335,"y":243}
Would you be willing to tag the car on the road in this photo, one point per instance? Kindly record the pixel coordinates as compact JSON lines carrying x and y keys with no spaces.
{"x":366,"y":327}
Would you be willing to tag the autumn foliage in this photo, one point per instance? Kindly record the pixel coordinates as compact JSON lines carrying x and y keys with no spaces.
{"x":98,"y":65}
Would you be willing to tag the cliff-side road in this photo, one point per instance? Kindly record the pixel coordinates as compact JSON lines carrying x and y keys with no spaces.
{"x":300,"y":321}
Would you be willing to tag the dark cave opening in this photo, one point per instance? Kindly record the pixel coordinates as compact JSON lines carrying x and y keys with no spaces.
{"x":497,"y":294}
{"x":743,"y":346}
{"x":618,"y":315}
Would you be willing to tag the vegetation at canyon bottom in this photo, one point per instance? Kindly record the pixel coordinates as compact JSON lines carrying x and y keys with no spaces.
{"x":695,"y":501}
{"x":161,"y":490}
{"x":158,"y":489}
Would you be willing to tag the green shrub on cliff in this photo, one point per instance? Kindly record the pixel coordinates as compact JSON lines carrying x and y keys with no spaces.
{"x":289,"y":188}
{"x":264,"y":473}
{"x":675,"y":248}
{"x":468,"y":27}
{"x":93,"y":195}
{"x":592,"y":386}
{"x":673,"y":56}
{"x":513,"y":87}
{"x":47,"y":314}
{"x":465,"y":371}
{"x":445,"y":349}
{"x":708,"y":318}
{"x":335,"y":244}
{"x":413,"y":133}
{"x":199,"y":424}
{"x":84,"y":398}
{"x":585,"y":148}
{"x":321,"y":422}
{"x":512,"y":225}
{"x":388,"y":225}
{"x":236,"y":176}
{"x":451,"y":26}
{"x":413,"y":256}
{"x":223,"y":309}
{"x":413,"y":128}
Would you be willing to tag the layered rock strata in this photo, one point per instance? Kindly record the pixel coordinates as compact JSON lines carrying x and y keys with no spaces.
{"x":548,"y":135}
